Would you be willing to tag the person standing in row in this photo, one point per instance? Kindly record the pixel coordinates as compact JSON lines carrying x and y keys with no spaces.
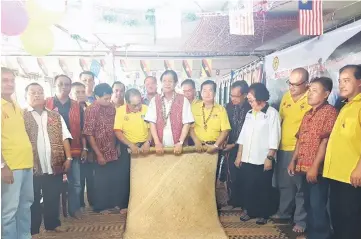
{"x":73,"y":116}
{"x":343,"y":158}
{"x":87,"y":167}
{"x":169,"y":115}
{"x":237,"y":110}
{"x":133,"y":132}
{"x":309,"y":156}
{"x":49,"y":137}
{"x":189,"y":91}
{"x":292,"y":109}
{"x":150,"y":84}
{"x":98,"y":128}
{"x":17,"y":193}
{"x":87,"y":78}
{"x":118,"y":94}
{"x":258,"y":144}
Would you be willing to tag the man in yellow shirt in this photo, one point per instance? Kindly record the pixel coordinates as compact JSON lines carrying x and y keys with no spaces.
{"x":343,"y":158}
{"x":17,"y":193}
{"x":211,"y":124}
{"x":133,"y":132}
{"x":293,"y":107}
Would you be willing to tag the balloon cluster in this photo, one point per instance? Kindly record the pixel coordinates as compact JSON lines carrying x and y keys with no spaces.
{"x":32,"y":20}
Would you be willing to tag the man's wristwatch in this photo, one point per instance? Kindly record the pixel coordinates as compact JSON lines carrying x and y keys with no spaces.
{"x":180,"y":142}
{"x":70,"y":159}
{"x":269,"y":157}
{"x":216,"y":146}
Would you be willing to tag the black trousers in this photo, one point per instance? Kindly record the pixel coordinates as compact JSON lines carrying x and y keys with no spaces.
{"x":345,"y":204}
{"x":234,"y":180}
{"x":87,"y":178}
{"x":50,"y":187}
{"x":257,"y":190}
{"x":124,"y":177}
{"x":106,"y":190}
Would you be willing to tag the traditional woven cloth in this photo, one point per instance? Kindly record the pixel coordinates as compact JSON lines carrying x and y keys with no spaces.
{"x":173,"y":197}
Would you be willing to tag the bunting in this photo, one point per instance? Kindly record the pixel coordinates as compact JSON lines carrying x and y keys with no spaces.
{"x":187,"y":68}
{"x":169,"y":64}
{"x":42,"y":66}
{"x":22,"y":65}
{"x":64,"y":66}
{"x":206,"y":68}
{"x":83,"y":64}
{"x":95,"y":67}
{"x":144,"y":65}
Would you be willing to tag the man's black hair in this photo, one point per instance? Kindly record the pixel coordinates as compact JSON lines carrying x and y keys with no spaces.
{"x":118,"y":83}
{"x":32,"y":84}
{"x":324,"y":81}
{"x":189,"y":82}
{"x":102,"y":89}
{"x":150,"y":77}
{"x":62,"y":75}
{"x":77,"y":83}
{"x":242,"y":84}
{"x":172,"y":73}
{"x":87,"y":73}
{"x":210,"y":82}
{"x":356,"y":68}
{"x":131,"y":92}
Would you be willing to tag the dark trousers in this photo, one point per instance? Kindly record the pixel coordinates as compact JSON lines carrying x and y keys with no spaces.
{"x":234,"y":180}
{"x":257,"y":190}
{"x":87,"y":178}
{"x":106,"y":194}
{"x":48,"y":186}
{"x":316,"y":198}
{"x":124,"y":178}
{"x":345,"y":203}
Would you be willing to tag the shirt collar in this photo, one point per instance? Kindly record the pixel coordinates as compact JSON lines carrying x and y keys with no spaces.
{"x":56,"y":100}
{"x":4,"y":102}
{"x":263,"y":110}
{"x":319,"y":107}
{"x":357,"y":98}
{"x":128,"y":111}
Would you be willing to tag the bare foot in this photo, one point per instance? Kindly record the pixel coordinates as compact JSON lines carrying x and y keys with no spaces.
{"x":124,"y":211}
{"x":298,"y":229}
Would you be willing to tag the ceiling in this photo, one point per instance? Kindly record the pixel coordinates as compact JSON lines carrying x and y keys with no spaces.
{"x":133,"y":33}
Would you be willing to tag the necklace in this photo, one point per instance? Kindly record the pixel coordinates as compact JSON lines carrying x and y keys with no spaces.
{"x":205,"y":121}
{"x":165,"y":114}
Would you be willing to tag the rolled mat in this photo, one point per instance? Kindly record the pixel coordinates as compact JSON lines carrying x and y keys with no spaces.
{"x":173,"y":197}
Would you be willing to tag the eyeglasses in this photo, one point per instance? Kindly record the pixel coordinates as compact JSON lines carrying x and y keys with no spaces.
{"x":295,"y":85}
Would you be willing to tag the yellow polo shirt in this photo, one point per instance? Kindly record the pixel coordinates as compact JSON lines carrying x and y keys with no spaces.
{"x":217,"y":123}
{"x":132,"y":125}
{"x":344,"y":146}
{"x":15,"y":144}
{"x":291,"y":115}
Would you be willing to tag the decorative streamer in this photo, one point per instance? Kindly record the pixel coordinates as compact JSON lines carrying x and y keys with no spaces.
{"x":83,"y":64}
{"x":207,"y":68}
{"x":123,"y":65}
{"x":144,"y":65}
{"x":42,"y":66}
{"x":64,"y":66}
{"x":187,"y":67}
{"x":22,"y":65}
{"x":169,"y":64}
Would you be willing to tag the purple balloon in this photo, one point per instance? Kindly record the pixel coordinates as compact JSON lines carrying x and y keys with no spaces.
{"x":14,"y":18}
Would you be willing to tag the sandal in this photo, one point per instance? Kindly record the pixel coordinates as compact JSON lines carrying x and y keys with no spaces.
{"x":244,"y":217}
{"x":261,"y":221}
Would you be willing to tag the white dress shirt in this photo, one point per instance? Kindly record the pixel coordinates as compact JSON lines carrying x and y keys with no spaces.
{"x":43,"y":142}
{"x":260,"y":133}
{"x":151,"y":116}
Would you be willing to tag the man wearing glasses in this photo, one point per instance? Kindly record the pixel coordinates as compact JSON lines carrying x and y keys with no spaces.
{"x":132,"y":131}
{"x":293,"y":107}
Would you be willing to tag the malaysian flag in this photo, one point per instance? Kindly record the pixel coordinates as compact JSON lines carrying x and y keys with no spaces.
{"x":310,"y":17}
{"x":241,"y":20}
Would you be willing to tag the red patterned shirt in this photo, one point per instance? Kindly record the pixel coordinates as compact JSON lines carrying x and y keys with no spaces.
{"x":316,"y":125}
{"x":99,"y":123}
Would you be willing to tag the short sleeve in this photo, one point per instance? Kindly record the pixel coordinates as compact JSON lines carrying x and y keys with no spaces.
{"x":329,"y":121}
{"x":242,"y":135}
{"x":119,"y":119}
{"x":89,"y":121}
{"x":274,"y":130}
{"x":225,"y":125}
{"x":187,"y":115}
{"x":151,"y":115}
{"x":65,"y":132}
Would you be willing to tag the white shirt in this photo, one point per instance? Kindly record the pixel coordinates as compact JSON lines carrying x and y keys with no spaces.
{"x":151,"y":116}
{"x":260,"y":133}
{"x":43,"y":142}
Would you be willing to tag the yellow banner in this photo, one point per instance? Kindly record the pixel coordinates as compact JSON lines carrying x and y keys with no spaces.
{"x":173,"y":197}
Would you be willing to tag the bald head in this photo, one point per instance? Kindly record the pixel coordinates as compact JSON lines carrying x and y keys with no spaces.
{"x":298,"y":82}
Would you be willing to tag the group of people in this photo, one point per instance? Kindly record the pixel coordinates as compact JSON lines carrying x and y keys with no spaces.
{"x":309,"y":150}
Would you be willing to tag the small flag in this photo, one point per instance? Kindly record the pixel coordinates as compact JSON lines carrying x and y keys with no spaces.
{"x":144,"y":65}
{"x":310,"y":17}
{"x":95,"y":67}
{"x":187,"y":66}
{"x":241,"y":20}
{"x":206,"y":68}
{"x":169,"y":64}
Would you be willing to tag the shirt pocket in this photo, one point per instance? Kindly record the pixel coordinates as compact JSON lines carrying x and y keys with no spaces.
{"x":349,"y":127}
